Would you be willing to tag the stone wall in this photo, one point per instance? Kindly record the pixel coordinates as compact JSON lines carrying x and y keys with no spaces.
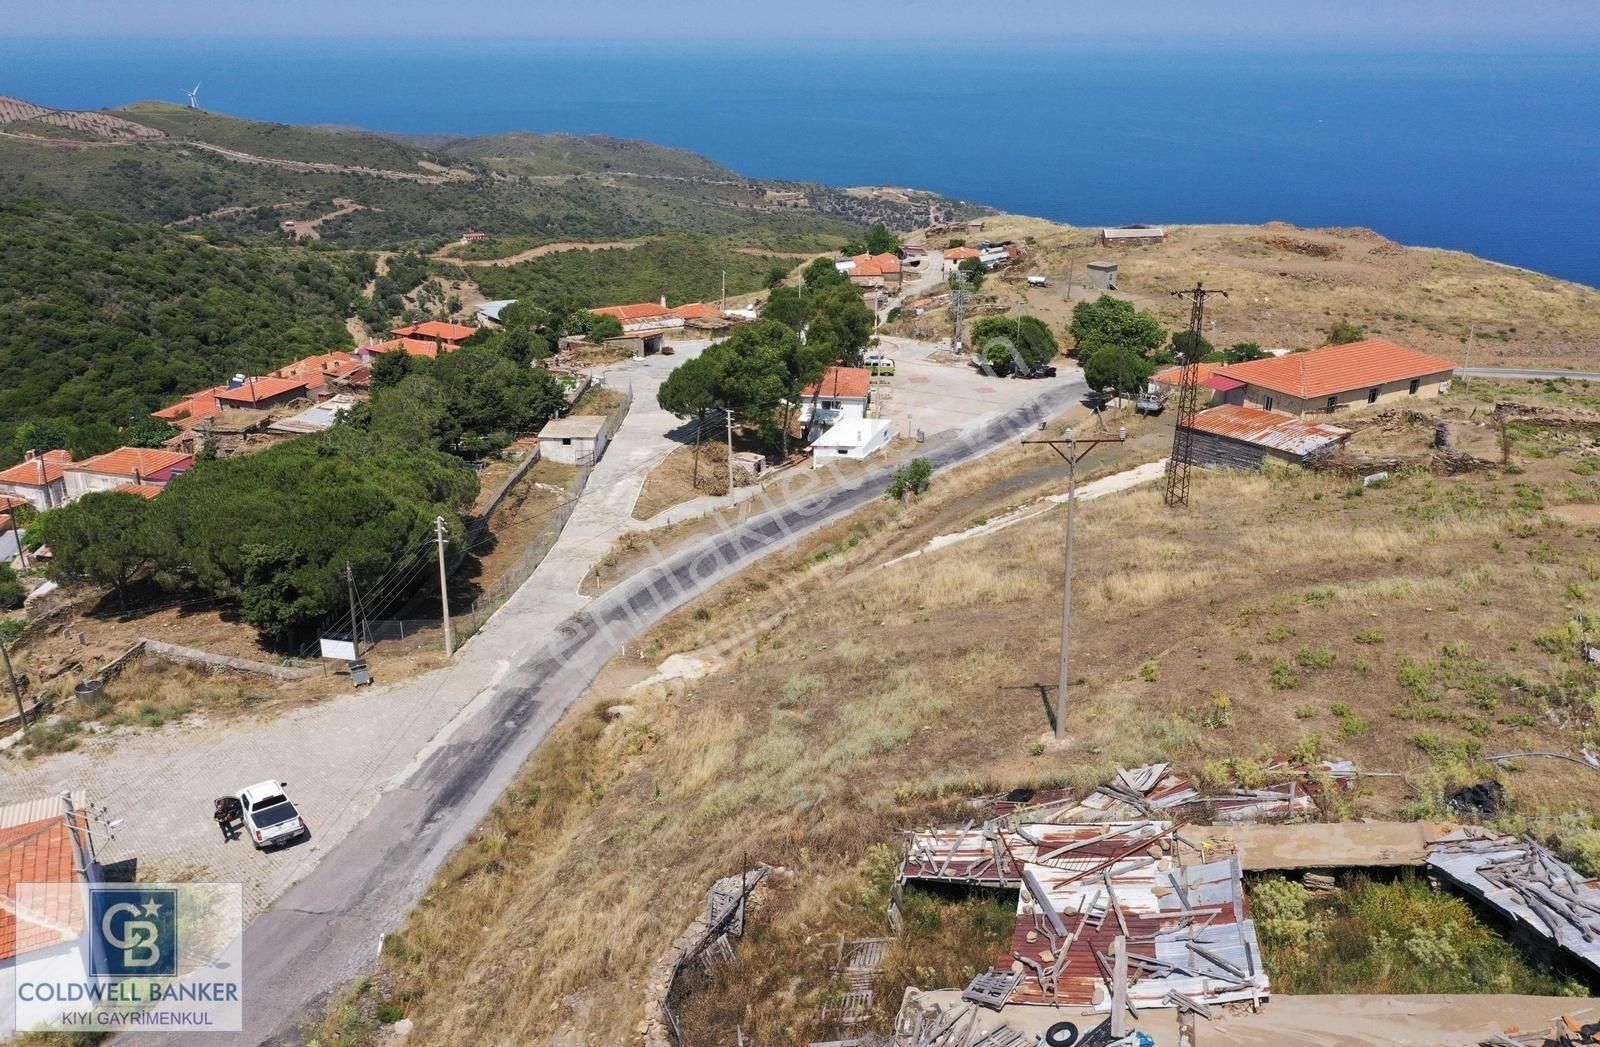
{"x":656,"y":1028}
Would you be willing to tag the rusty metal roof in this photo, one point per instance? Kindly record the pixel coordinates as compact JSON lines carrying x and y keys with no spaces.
{"x":1279,"y":432}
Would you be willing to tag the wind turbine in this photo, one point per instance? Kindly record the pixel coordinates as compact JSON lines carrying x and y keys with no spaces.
{"x":192,"y":103}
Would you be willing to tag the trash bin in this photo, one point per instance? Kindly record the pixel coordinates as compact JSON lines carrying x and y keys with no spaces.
{"x":360,"y":675}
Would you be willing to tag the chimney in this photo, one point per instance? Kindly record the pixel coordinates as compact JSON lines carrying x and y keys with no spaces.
{"x":137,"y":477}
{"x":30,"y":455}
{"x":663,"y":301}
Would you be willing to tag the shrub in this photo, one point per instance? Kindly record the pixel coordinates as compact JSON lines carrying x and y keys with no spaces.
{"x":1282,"y":676}
{"x":1320,"y":658}
{"x":1370,"y":636}
{"x":910,"y":479}
{"x":1149,"y":673}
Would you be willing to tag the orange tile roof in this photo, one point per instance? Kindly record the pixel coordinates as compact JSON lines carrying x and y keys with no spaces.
{"x":633,"y":313}
{"x":1337,"y":368}
{"x":337,"y":364}
{"x":961,"y":254}
{"x":192,"y":409}
{"x":38,"y":852}
{"x":841,"y":381}
{"x":410,"y":346}
{"x":436,"y":329}
{"x":696,"y":311}
{"x":875,"y":265}
{"x":1173,"y":375}
{"x":55,"y":463}
{"x":256,"y":390}
{"x":125,"y":461}
{"x":142,"y":490}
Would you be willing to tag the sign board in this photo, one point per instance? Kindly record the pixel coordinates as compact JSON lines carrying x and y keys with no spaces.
{"x":341,"y":647}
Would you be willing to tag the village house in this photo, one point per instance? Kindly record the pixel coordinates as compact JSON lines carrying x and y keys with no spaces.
{"x":1337,"y":378}
{"x":450,"y":334}
{"x":644,"y":325}
{"x":1247,"y":437}
{"x":954,"y":256}
{"x":38,"y":479}
{"x":843,"y":392}
{"x":262,"y":393}
{"x":47,"y":861}
{"x":574,"y":440}
{"x":136,"y":465}
{"x":1213,"y":386}
{"x":879,"y":271}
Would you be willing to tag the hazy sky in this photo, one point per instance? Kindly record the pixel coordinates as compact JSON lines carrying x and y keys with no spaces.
{"x":951,"y":21}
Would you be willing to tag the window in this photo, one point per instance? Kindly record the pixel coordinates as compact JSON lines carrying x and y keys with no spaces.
{"x":1416,"y":383}
{"x":1333,"y":401}
{"x":1266,"y":405}
{"x":566,"y":441}
{"x":831,"y":405}
{"x":1372,"y":395}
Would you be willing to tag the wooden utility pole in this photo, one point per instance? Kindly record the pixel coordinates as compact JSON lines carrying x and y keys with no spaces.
{"x":1466,"y":359}
{"x":444,"y":591}
{"x":350,"y":586}
{"x":16,"y":691}
{"x":1072,"y":456}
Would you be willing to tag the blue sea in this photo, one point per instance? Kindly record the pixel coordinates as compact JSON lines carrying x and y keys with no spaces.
{"x":1493,"y":152}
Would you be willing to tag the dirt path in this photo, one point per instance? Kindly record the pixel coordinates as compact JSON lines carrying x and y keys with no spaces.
{"x":534,"y":252}
{"x":311,"y":228}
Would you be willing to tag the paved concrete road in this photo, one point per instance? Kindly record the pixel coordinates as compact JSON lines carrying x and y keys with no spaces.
{"x":326,"y":929}
{"x":1513,"y":373}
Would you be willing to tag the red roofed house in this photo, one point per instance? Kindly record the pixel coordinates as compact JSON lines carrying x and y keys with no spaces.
{"x":192,"y":409}
{"x":450,"y":334}
{"x":873,"y":270}
{"x":644,"y":325}
{"x":38,"y":479}
{"x":1216,"y":387}
{"x":44,"y":841}
{"x":696,"y":311}
{"x":1338,"y":377}
{"x":271,"y":391}
{"x":125,"y":465}
{"x":843,"y":392}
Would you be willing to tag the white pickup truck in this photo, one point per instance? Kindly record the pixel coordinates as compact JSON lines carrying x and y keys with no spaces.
{"x":269,"y":818}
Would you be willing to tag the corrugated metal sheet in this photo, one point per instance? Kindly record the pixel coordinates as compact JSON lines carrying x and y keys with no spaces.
{"x":1527,"y":885}
{"x":28,"y":811}
{"x":1183,"y":919}
{"x":1276,"y":432}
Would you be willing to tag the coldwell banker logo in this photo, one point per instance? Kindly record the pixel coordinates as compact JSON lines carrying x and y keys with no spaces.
{"x":125,"y":957}
{"x":133,"y":932}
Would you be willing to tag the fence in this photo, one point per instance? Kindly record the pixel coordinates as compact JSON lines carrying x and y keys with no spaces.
{"x":499,"y":591}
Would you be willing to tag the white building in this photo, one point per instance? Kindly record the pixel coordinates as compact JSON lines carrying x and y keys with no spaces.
{"x":575,"y":440}
{"x":38,"y":479}
{"x":843,"y":392}
{"x":851,"y":439}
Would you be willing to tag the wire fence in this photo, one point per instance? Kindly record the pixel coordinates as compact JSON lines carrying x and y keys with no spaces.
{"x":416,"y":633}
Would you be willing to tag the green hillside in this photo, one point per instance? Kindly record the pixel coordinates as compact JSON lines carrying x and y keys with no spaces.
{"x":539,"y":188}
{"x":555,"y":154}
{"x":103,"y":320}
{"x":281,"y":141}
{"x":681,"y":267}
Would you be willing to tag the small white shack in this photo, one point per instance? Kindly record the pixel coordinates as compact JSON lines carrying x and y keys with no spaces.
{"x":574,"y":440}
{"x":851,"y":439}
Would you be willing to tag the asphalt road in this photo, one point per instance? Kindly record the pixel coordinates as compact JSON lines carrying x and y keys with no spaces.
{"x":1514,"y":373}
{"x":328,"y":928}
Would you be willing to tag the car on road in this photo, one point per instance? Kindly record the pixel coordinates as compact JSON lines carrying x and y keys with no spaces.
{"x":878,"y":364}
{"x":269,"y":818}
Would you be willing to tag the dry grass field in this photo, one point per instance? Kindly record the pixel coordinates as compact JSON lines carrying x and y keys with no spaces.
{"x":1416,"y":626}
{"x":1288,"y":285}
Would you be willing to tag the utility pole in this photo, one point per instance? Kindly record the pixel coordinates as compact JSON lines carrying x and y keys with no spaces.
{"x":16,"y":691}
{"x":1072,"y":455}
{"x":730,"y":451}
{"x":1178,"y":463}
{"x":444,"y":591}
{"x":350,"y":585}
{"x":17,"y":535}
{"x":722,"y":306}
{"x":1466,"y":359}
